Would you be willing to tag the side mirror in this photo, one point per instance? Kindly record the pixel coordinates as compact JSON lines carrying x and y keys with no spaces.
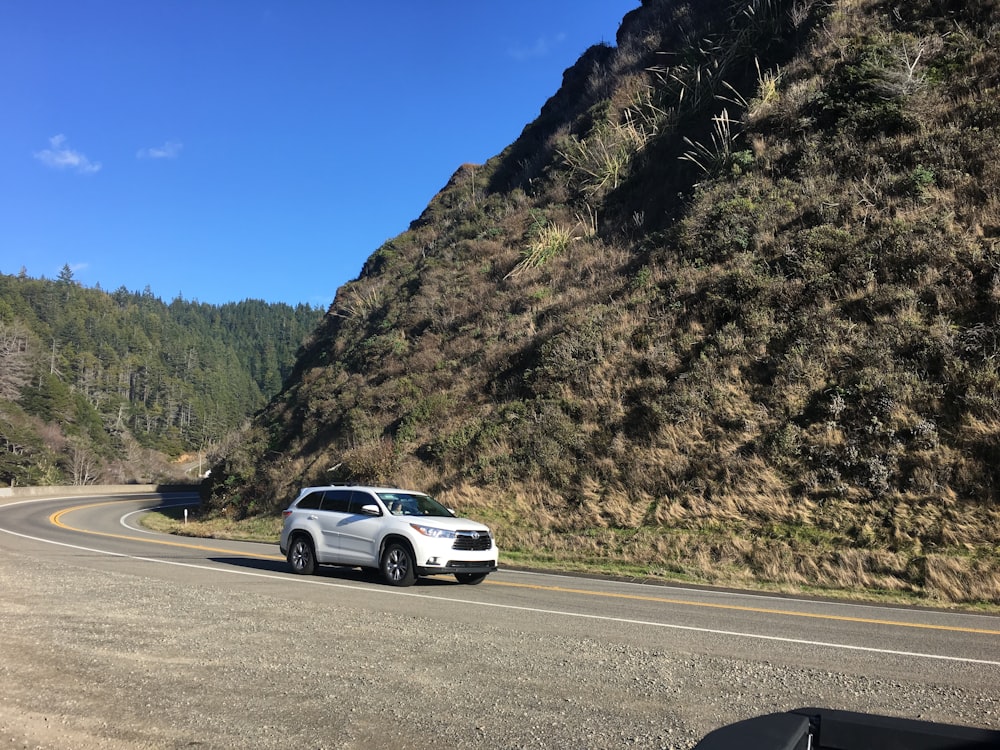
{"x":371,"y":510}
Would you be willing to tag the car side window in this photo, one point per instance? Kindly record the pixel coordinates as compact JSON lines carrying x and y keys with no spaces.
{"x":310,"y":501}
{"x":360,"y":500}
{"x":338,"y":501}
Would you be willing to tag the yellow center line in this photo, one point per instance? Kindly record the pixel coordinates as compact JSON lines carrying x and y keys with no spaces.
{"x":739,"y":608}
{"x":56,"y":519}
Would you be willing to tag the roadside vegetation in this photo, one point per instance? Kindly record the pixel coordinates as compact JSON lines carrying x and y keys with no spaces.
{"x":727,"y":311}
{"x":173,"y":521}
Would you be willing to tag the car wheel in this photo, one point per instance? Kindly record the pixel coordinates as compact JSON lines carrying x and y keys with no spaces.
{"x":301,"y":556}
{"x":470,"y":579}
{"x":397,"y":565}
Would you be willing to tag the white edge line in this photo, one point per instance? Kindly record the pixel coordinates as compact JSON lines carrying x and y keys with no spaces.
{"x":768,"y":597}
{"x":124,"y":519}
{"x":583,"y":616}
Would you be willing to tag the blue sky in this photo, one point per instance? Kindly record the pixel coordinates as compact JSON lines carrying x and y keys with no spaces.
{"x":221,"y":150}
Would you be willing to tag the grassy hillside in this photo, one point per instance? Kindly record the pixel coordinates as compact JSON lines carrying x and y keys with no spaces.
{"x":728,"y":310}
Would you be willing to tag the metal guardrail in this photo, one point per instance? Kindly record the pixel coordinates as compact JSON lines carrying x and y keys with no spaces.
{"x":85,"y":490}
{"x":827,"y":729}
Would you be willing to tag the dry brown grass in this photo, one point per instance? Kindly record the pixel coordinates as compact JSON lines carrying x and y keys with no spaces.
{"x":715,"y":543}
{"x":972,"y":580}
{"x":768,"y":377}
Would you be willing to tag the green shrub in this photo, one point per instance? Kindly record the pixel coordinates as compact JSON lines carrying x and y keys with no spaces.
{"x":545,"y":242}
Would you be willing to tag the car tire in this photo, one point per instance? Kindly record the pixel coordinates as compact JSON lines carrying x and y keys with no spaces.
{"x":470,"y":579}
{"x":397,"y":565}
{"x":302,"y":556}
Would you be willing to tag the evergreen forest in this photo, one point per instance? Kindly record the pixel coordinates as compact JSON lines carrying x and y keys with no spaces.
{"x":118,"y":387}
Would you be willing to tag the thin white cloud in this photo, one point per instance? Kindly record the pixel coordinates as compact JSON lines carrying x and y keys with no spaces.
{"x":169,"y":150}
{"x":541,"y":47}
{"x":60,"y":156}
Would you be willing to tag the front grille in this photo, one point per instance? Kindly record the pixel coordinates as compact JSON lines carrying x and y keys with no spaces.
{"x":472,"y":541}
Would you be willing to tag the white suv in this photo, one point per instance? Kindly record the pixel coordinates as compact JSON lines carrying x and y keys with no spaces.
{"x":402,"y":533}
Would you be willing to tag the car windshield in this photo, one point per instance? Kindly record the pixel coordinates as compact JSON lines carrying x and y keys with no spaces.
{"x":412,"y":504}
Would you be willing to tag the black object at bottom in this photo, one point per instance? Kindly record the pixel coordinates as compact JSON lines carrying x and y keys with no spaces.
{"x":826,"y":729}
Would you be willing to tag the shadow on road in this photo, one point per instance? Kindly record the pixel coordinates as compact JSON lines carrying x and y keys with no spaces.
{"x":271,"y":566}
{"x":359,"y":575}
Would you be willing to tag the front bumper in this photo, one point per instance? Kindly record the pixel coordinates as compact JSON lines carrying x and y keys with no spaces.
{"x":458,"y":566}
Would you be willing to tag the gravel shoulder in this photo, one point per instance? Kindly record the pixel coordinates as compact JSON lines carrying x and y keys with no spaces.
{"x":101,"y":659}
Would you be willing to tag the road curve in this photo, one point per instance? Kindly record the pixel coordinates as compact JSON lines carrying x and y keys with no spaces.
{"x":781,"y":652}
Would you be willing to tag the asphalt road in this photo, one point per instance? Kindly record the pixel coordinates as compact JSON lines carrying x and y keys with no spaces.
{"x":832,"y":653}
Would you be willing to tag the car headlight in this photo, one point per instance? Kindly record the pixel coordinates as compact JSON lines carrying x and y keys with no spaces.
{"x":434,"y":532}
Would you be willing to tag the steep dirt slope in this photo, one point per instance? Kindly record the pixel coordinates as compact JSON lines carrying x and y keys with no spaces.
{"x":729,"y":309}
